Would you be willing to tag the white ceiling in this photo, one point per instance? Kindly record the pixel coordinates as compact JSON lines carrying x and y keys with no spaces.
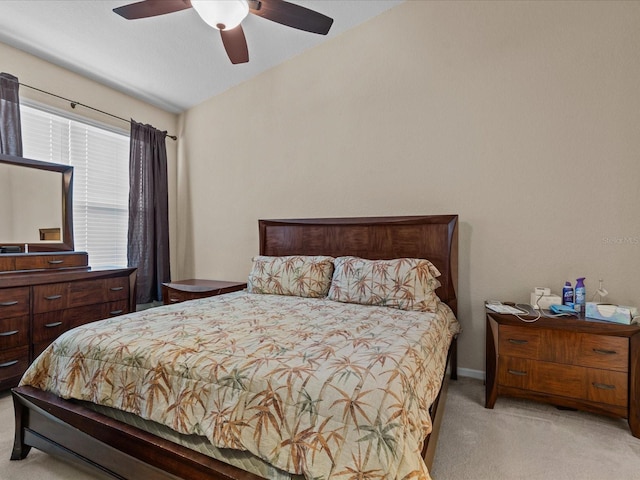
{"x":173,"y":61}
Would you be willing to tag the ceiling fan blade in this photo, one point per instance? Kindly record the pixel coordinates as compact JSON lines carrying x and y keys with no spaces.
{"x":235,"y":44}
{"x":151,"y":8}
{"x":292,"y":15}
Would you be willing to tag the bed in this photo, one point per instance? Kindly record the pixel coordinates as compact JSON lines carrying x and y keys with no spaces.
{"x":119,"y":449}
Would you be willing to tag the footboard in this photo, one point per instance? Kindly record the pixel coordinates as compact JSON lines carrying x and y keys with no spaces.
{"x":85,"y":437}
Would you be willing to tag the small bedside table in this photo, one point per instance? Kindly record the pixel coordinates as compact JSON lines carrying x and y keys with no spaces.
{"x":181,"y":290}
{"x":567,"y":361}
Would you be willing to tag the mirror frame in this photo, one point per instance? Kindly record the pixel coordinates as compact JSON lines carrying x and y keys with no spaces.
{"x":66,"y":243}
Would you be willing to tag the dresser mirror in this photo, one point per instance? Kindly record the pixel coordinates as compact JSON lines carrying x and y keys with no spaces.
{"x":35,"y":206}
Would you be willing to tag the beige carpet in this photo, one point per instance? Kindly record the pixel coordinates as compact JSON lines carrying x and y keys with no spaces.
{"x":516,"y":440}
{"x":520,"y":439}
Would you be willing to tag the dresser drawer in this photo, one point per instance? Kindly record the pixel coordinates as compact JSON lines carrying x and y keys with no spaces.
{"x":116,"y":288}
{"x":98,"y":291}
{"x":518,"y":341}
{"x":87,"y":293}
{"x":40,"y":261}
{"x":7,"y":263}
{"x":82,"y":315}
{"x":47,"y":298}
{"x":49,"y":325}
{"x":14,"y":332}
{"x":59,"y":296}
{"x":14,"y":302}
{"x":13,"y":362}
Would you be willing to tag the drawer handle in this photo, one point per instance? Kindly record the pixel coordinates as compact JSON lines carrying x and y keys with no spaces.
{"x":115,"y":312}
{"x":518,"y":342}
{"x":8,"y":334}
{"x":53,"y":297}
{"x":8,"y":364}
{"x":520,"y":373}
{"x":56,"y":262}
{"x":174,"y":300}
{"x":54,"y":324}
{"x":116,"y":289}
{"x":8,"y":304}
{"x":603,"y":386}
{"x":604,"y":352}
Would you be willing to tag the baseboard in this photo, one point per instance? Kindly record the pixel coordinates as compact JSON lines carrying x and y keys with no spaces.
{"x":468,"y":372}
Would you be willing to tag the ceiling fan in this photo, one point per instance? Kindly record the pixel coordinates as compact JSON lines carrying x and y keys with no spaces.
{"x":226,"y":16}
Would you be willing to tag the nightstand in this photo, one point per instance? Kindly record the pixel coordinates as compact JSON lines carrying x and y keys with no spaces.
{"x":568,"y":361}
{"x":181,"y":290}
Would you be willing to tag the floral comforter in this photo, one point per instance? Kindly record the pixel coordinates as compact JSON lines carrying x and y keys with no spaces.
{"x":325,"y":389}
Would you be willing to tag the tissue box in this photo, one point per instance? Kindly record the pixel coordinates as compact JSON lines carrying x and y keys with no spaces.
{"x":611,"y":313}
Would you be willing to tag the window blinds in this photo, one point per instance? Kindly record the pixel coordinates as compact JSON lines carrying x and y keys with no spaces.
{"x":100,"y":158}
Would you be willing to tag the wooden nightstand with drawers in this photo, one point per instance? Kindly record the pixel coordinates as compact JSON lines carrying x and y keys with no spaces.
{"x":568,"y":361}
{"x":182,"y":290}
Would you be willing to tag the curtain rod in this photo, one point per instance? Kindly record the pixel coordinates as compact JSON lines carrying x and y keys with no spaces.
{"x":73,"y":104}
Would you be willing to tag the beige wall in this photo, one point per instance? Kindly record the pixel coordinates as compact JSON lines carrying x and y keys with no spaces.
{"x":520,"y":117}
{"x":38,"y":73}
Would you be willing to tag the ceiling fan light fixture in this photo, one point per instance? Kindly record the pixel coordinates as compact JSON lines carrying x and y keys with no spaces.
{"x":221,"y":14}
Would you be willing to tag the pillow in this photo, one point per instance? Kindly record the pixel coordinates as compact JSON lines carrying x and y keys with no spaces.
{"x":302,"y":276}
{"x":404,"y":283}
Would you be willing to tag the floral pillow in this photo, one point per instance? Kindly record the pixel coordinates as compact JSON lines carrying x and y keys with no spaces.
{"x":302,"y":276}
{"x":404,"y":283}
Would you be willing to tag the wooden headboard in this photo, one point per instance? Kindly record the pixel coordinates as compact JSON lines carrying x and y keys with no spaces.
{"x":434,"y":237}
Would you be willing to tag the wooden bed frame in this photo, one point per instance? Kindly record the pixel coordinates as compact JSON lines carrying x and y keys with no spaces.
{"x":80,"y":435}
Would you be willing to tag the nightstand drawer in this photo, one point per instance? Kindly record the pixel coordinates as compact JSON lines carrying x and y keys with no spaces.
{"x":601,"y":351}
{"x":518,"y":341}
{"x":605,"y":386}
{"x":543,"y":377}
{"x":602,"y":386}
{"x":515,"y":372}
{"x":183,"y":290}
{"x":177,"y":296}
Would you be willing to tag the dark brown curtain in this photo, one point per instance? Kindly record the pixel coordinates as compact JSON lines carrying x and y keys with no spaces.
{"x":10,"y":127}
{"x":148,"y":241}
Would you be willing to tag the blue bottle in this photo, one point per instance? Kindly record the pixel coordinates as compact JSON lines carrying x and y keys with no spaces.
{"x":567,"y":294}
{"x":581,"y":296}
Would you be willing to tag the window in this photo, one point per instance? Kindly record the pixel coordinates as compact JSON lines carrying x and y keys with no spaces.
{"x":100,"y":157}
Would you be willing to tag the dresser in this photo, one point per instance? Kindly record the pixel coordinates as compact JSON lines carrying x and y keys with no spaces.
{"x":44,"y":295}
{"x":571,"y":362}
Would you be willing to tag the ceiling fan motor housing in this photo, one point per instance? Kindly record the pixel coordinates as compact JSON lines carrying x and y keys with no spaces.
{"x":221,"y":14}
